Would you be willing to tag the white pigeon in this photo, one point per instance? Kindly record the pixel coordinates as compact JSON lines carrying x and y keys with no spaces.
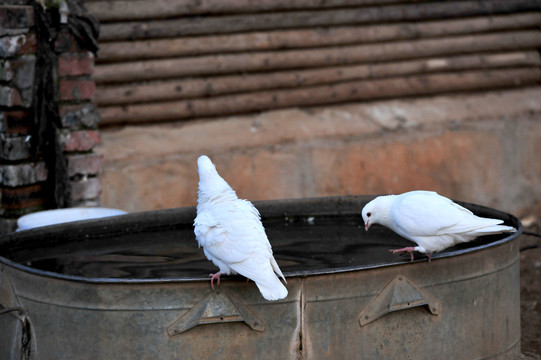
{"x":430,"y":220}
{"x":231,"y":233}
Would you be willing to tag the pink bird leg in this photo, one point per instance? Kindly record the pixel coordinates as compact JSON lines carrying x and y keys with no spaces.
{"x":409,"y":249}
{"x":215,"y":276}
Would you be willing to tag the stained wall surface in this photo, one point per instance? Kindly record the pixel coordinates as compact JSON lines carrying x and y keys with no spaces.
{"x":482,"y":148}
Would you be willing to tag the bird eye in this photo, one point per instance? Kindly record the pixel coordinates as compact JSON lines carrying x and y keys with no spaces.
{"x":369,"y":214}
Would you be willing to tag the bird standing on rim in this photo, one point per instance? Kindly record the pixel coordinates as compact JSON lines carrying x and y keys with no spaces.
{"x":232,"y":236}
{"x":430,"y":220}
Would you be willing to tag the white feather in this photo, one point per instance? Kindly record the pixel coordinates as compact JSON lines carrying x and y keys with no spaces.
{"x":430,"y":220}
{"x":231,"y":233}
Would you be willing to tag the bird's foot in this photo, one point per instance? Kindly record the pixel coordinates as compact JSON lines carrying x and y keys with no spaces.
{"x":213,"y":277}
{"x":409,"y":249}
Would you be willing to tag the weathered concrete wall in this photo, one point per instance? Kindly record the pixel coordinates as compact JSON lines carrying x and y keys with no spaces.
{"x":482,"y":148}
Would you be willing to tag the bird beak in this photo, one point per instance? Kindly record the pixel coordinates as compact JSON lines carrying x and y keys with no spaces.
{"x":366,"y":225}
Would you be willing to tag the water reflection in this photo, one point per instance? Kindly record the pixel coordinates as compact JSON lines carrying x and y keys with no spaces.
{"x":301,"y":246}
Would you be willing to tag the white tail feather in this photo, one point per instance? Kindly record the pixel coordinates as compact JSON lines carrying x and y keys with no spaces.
{"x":277,"y":269}
{"x":276,"y":292}
{"x":495,"y":229}
{"x":264,"y":277}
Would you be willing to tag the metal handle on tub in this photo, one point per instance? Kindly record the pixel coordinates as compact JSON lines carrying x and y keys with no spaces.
{"x":216,"y":307}
{"x":399,"y":294}
{"x":9,"y":304}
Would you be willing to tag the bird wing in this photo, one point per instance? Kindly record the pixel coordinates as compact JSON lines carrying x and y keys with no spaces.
{"x":425,"y":213}
{"x":233,"y":233}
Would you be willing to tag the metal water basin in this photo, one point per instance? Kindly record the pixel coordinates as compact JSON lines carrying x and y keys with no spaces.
{"x":137,"y":286}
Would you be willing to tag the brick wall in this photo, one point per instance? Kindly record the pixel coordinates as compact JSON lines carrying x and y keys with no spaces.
{"x":24,"y":173}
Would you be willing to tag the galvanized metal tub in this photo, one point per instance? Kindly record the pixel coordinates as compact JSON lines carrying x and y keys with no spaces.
{"x":96,"y":290}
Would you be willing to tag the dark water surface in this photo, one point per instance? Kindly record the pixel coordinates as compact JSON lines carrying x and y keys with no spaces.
{"x":301,"y":245}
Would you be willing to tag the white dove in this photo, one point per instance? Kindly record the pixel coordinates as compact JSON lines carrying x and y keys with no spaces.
{"x":231,"y":233}
{"x":432,"y":221}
